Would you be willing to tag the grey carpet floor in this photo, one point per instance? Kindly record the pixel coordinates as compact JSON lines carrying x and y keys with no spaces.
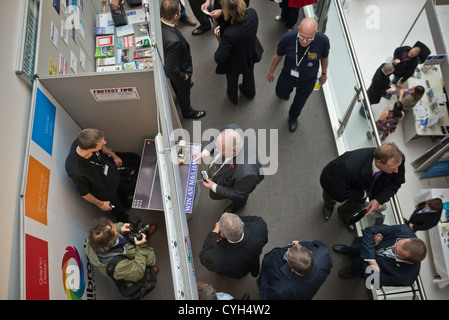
{"x":289,"y":201}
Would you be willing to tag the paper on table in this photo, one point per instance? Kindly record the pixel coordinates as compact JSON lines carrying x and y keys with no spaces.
{"x":421,"y":112}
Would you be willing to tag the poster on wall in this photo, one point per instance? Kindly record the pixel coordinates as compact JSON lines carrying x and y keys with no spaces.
{"x":44,"y":122}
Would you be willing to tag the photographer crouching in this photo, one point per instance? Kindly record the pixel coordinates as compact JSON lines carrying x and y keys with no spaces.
{"x":121,"y":251}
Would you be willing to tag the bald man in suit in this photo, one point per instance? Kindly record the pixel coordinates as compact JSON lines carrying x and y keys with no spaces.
{"x":234,"y":170}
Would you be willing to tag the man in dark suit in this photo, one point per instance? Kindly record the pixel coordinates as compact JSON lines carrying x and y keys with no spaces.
{"x":374,"y":173}
{"x":234,"y":170}
{"x":178,"y":61}
{"x":426,"y":215}
{"x":405,"y":61}
{"x":295,"y":272}
{"x":239,"y":49}
{"x":234,"y":246}
{"x":388,"y":255}
{"x":380,"y":84}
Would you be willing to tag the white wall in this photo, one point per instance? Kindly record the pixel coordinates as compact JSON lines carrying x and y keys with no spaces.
{"x":15,"y":105}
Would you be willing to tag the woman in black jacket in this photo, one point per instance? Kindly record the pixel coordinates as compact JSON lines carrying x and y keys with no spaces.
{"x":239,"y":48}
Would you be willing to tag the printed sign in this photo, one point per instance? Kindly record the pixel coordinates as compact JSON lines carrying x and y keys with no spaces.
{"x":37,"y":282}
{"x":115,"y":94}
{"x":36,"y":194}
{"x":190,"y":189}
{"x":44,"y":122}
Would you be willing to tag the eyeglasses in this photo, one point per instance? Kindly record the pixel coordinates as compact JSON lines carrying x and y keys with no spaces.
{"x":394,"y":249}
{"x":304,"y":38}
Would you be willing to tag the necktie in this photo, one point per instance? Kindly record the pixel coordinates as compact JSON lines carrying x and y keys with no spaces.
{"x":375,"y":177}
{"x":386,"y":252}
{"x":214,"y":167}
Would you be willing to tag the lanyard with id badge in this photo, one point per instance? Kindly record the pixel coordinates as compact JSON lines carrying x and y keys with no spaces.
{"x":104,"y":166}
{"x":295,"y":72}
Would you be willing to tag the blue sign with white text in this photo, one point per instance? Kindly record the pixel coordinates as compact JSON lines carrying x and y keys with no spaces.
{"x":44,"y":122}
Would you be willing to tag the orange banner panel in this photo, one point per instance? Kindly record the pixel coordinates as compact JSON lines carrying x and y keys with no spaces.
{"x":36,"y":194}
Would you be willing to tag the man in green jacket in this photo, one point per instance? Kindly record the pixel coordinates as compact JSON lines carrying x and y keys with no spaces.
{"x":107,"y":240}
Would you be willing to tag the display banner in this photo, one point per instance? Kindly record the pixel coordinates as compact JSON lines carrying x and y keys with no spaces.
{"x":37,"y":285}
{"x":55,"y":217}
{"x":44,"y":122}
{"x":36,"y":195}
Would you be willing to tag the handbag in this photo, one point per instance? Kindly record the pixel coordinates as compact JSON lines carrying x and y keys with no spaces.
{"x":132,"y":290}
{"x":134,"y":3}
{"x":119,"y":16}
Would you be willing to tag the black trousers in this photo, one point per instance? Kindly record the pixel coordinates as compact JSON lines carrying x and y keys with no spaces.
{"x":288,"y":14}
{"x":285,"y":85}
{"x":248,"y":87}
{"x":182,"y":91}
{"x":202,"y":18}
{"x":237,"y":204}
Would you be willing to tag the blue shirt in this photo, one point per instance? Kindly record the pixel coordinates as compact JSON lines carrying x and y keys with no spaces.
{"x":309,"y":66}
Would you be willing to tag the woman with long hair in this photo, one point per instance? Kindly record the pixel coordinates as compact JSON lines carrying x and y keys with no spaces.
{"x":239,"y":48}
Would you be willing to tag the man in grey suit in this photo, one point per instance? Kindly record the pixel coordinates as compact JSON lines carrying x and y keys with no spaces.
{"x":234,"y":170}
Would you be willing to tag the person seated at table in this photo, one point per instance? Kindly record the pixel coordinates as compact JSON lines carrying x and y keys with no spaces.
{"x":410,"y":97}
{"x":426,"y":215}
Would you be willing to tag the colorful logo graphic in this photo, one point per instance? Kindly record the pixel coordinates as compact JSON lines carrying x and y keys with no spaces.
{"x":73,"y":274}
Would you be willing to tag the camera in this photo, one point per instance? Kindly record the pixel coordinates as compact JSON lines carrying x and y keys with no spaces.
{"x":134,"y":230}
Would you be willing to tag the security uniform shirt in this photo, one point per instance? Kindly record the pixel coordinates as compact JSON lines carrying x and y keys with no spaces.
{"x":97,"y":175}
{"x":309,"y":66}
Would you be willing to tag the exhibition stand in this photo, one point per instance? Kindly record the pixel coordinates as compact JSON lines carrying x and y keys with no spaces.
{"x":72,"y":91}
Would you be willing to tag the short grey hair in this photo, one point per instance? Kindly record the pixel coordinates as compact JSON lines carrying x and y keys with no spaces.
{"x":231,"y":226}
{"x":388,"y":68}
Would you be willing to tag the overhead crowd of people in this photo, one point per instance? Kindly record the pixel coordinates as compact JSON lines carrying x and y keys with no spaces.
{"x":362,"y":180}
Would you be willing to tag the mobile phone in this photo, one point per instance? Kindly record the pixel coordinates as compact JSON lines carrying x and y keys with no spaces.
{"x":206,"y":12}
{"x":204,"y":175}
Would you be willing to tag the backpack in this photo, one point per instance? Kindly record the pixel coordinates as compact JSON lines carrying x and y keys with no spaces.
{"x":132,"y":290}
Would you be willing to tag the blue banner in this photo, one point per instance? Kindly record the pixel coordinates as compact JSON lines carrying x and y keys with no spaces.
{"x":44,"y":122}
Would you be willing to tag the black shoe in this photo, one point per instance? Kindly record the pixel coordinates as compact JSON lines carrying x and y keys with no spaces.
{"x":292,"y":125}
{"x":346,"y":273}
{"x":327,"y":212}
{"x":196,"y":114}
{"x":200,"y":30}
{"x":231,"y":209}
{"x":341,"y":248}
{"x":351,"y":227}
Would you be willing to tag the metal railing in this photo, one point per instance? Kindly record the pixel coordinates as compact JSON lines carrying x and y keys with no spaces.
{"x":417,"y":290}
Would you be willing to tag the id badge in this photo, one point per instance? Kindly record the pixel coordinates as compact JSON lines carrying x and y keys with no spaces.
{"x":294,"y":73}
{"x":106,"y":169}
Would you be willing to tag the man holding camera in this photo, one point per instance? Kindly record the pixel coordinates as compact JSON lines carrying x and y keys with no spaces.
{"x":107,"y":240}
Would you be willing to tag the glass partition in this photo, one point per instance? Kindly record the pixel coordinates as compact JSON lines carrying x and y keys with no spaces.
{"x":344,"y":86}
{"x":354,"y":121}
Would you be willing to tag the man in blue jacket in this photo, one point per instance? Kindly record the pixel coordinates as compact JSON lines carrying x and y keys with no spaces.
{"x":294,"y":272}
{"x":389,"y":255}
